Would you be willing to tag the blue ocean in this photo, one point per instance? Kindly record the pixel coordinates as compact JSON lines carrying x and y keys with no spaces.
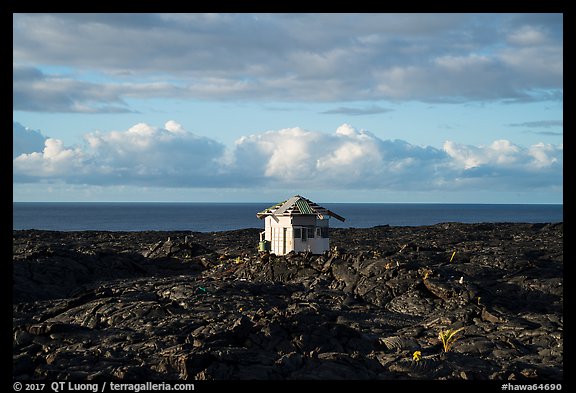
{"x":212,"y":217}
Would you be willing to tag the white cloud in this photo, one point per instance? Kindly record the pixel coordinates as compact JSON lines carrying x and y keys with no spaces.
{"x":348,"y":158}
{"x":286,"y":155}
{"x":25,"y":140}
{"x":502,"y":157}
{"x":499,"y":152}
{"x":53,"y":161}
{"x":174,"y":127}
{"x":142,"y":155}
{"x":545,"y":154}
{"x":346,"y":130}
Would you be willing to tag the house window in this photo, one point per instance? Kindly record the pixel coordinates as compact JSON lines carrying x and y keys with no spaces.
{"x":311,"y":232}
{"x":304,"y":235}
{"x":297,"y":233}
{"x":318,"y":232}
{"x":324,"y":232}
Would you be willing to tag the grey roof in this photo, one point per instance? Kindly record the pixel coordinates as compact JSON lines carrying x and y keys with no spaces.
{"x":298,"y":205}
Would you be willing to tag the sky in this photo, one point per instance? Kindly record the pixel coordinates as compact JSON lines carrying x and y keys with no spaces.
{"x":422,"y":108}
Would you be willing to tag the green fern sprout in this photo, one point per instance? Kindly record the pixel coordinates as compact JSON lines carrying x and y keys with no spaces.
{"x":448,"y":338}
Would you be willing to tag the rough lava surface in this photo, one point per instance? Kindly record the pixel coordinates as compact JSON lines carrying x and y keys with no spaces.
{"x":208,"y":306}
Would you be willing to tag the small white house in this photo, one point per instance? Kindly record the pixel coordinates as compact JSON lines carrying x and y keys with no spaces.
{"x":296,"y":224}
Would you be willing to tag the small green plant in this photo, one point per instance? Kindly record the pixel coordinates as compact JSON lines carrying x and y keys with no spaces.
{"x":448,"y":337}
{"x":416,"y":356}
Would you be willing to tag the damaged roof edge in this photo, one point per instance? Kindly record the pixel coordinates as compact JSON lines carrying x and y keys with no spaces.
{"x":303,"y":205}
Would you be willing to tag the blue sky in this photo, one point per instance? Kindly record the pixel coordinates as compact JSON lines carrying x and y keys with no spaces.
{"x":463,"y":108}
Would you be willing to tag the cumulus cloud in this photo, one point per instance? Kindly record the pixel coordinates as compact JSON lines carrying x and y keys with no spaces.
{"x":54,"y":160}
{"x":168,"y":155}
{"x":25,"y":140}
{"x":499,"y":152}
{"x":143,"y":155}
{"x":314,"y":57}
{"x":504,"y":165}
{"x":357,"y":158}
{"x":348,"y":158}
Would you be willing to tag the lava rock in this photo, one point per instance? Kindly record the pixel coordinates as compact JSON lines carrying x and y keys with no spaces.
{"x":207,"y":306}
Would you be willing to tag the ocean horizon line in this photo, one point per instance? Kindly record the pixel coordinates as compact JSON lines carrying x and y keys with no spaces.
{"x":265,"y":202}
{"x":218,"y":216}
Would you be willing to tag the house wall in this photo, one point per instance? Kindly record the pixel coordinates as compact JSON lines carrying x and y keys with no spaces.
{"x":316,"y":244}
{"x":280,"y":231}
